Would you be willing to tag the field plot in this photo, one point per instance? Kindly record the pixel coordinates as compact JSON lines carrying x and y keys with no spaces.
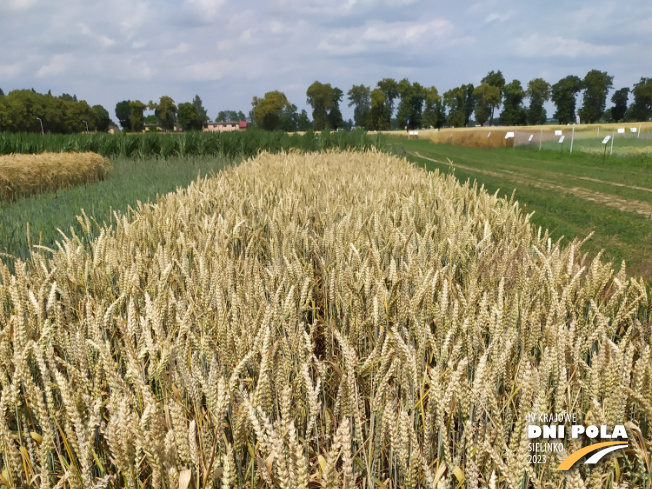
{"x":36,"y":220}
{"x":24,"y":175}
{"x":320,"y":320}
{"x":572,"y":196}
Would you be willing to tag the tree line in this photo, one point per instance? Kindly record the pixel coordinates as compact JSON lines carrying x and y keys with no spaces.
{"x":29,"y":111}
{"x":389,"y":105}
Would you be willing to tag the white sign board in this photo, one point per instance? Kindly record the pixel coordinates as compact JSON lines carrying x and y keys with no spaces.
{"x":632,"y":129}
{"x":529,"y":140}
{"x":509,"y":135}
{"x":621,"y":130}
{"x":411,"y":133}
{"x":558,"y":133}
{"x":606,"y":140}
{"x":561,"y":139}
{"x":416,"y":133}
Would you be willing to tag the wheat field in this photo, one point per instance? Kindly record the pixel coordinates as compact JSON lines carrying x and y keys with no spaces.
{"x":336,"y":319}
{"x":26,"y":174}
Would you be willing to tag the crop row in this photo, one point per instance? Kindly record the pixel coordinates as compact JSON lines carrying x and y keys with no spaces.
{"x":231,"y":145}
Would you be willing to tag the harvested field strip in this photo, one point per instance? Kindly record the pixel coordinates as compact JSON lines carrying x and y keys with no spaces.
{"x":626,"y":205}
{"x":23,"y":175}
{"x":616,"y":184}
{"x":318,"y":320}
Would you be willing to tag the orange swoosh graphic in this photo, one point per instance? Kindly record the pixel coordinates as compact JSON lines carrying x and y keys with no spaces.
{"x":575,"y":456}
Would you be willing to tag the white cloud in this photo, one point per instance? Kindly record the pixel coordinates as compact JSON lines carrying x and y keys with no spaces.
{"x":10,"y":71}
{"x":378,"y":36}
{"x":180,"y":49}
{"x":499,"y":17}
{"x":536,"y":45}
{"x":21,"y":4}
{"x":60,"y":64}
{"x":206,"y":9}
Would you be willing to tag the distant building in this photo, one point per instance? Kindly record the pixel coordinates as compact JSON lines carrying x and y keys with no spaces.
{"x":225,"y":126}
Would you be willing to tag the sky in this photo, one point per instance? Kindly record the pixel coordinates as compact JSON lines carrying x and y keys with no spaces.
{"x":228,"y":52}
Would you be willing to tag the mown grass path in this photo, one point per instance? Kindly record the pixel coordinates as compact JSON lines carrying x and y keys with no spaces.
{"x":571,"y":196}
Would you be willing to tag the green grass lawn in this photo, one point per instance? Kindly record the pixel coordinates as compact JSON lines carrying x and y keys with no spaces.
{"x":131,"y":181}
{"x":559,"y":190}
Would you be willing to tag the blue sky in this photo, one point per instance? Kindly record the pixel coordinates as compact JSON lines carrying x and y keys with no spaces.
{"x":227,"y":52}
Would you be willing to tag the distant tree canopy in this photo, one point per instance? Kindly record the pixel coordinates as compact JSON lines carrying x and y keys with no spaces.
{"x":20,"y":111}
{"x":378,"y":110}
{"x":335,"y":119}
{"x":596,"y":85}
{"x":386,"y":106}
{"x":267,"y":111}
{"x":320,"y":98}
{"x":230,"y":116}
{"x":413,"y":96}
{"x":487,"y":98}
{"x":513,"y":113}
{"x":563,"y":96}
{"x":360,"y":98}
{"x":619,"y":99}
{"x":461,"y":104}
{"x":433,"y":113}
{"x":641,"y":108}
{"x":123,"y":113}
{"x":538,"y":91}
{"x":188,"y":117}
{"x":199,"y":108}
{"x":165,"y":111}
{"x":497,"y":80}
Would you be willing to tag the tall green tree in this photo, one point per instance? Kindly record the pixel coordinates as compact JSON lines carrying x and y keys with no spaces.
{"x":513,"y":113}
{"x":267,"y":111}
{"x":360,"y":97}
{"x":494,"y":79}
{"x":102,"y":117}
{"x":201,"y":111}
{"x":641,"y":108}
{"x":455,"y":99}
{"x":123,"y":113}
{"x":303,"y":121}
{"x":538,"y":91}
{"x":389,"y":87}
{"x":320,"y":98}
{"x":487,"y":99}
{"x":136,"y":116}
{"x":432,"y":116}
{"x":563,"y":95}
{"x":619,"y":99}
{"x":378,"y":118}
{"x":413,"y":96}
{"x":188,"y":117}
{"x":289,"y":119}
{"x":165,"y":111}
{"x":335,"y":119}
{"x":596,"y":86}
{"x":469,"y":102}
